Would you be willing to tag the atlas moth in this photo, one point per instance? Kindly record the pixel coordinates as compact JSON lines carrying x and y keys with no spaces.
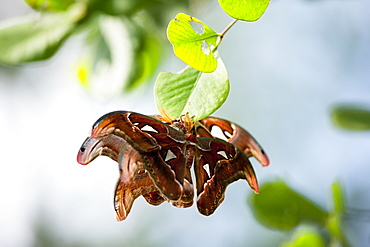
{"x":156,"y":154}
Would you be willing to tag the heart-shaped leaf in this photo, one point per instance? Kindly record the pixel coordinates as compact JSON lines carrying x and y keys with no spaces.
{"x":245,"y":10}
{"x":38,"y":40}
{"x":191,"y":91}
{"x":193,"y":42}
{"x":278,"y":206}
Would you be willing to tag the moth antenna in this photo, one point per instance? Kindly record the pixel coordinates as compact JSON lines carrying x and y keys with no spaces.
{"x":165,"y":114}
{"x":188,"y":121}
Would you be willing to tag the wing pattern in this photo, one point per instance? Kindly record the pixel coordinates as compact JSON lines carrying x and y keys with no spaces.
{"x":155,"y":158}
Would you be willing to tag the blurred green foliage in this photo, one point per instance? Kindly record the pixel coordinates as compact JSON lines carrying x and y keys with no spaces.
{"x":51,"y":5}
{"x":305,"y":236}
{"x":38,"y":39}
{"x":40,"y":36}
{"x":351,"y":117}
{"x":334,"y":222}
{"x":280,"y":207}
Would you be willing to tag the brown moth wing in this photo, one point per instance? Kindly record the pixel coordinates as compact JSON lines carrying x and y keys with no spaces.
{"x":217,"y":165}
{"x":132,"y":173}
{"x":125,"y":195}
{"x":109,"y":145}
{"x":154,"y":198}
{"x":187,"y":196}
{"x":130,"y":160}
{"x":164,"y":134}
{"x":186,"y":199}
{"x":236,"y":135}
{"x":144,"y":133}
{"x":167,"y":169}
{"x":130,"y":163}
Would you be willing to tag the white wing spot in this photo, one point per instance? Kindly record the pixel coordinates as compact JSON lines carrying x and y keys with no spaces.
{"x":218,"y":133}
{"x":222,"y":153}
{"x":170,"y":155}
{"x":149,"y":128}
{"x":227,"y":134}
{"x":206,"y":168}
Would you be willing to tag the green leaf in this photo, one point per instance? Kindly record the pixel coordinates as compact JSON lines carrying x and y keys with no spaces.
{"x":278,"y":206}
{"x":121,"y":55}
{"x":351,"y":117}
{"x":338,"y":198}
{"x":193,"y":42}
{"x":245,"y":10}
{"x":40,"y":39}
{"x":334,"y":222}
{"x":118,"y":7}
{"x":50,"y":5}
{"x":334,"y":225}
{"x":107,"y":62}
{"x":97,"y":56}
{"x":146,"y":54}
{"x":191,"y":91}
{"x":305,"y":237}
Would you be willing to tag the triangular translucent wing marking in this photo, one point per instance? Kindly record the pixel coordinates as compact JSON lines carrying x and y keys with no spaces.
{"x":148,"y":128}
{"x":132,"y":169}
{"x":206,"y":168}
{"x":155,"y":157}
{"x":222,"y":172}
{"x":129,"y":126}
{"x":164,"y":134}
{"x":234,"y":134}
{"x":170,"y":155}
{"x":168,"y":175}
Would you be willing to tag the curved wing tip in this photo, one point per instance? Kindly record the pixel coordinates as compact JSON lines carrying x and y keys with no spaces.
{"x":81,"y":162}
{"x":255,"y":187}
{"x":264,"y":160}
{"x":266,"y":163}
{"x":120,"y":218}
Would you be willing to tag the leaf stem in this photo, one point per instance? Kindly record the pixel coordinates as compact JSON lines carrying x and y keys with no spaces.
{"x":221,"y":35}
{"x":227,"y":28}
